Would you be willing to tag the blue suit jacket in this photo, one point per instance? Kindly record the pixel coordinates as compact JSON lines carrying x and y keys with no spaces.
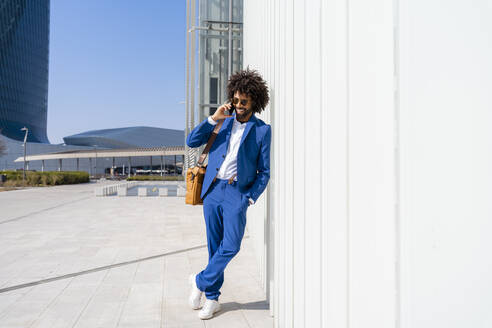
{"x":253,"y":157}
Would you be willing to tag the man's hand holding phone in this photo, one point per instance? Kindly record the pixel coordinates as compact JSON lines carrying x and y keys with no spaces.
{"x":223,"y":112}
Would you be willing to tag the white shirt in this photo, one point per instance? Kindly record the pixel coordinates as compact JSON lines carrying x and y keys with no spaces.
{"x":229,"y":166}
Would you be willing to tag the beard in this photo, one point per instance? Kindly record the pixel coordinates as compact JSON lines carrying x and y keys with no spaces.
{"x":244,"y":115}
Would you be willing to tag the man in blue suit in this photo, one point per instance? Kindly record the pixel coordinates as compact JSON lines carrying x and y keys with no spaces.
{"x":237,"y":173}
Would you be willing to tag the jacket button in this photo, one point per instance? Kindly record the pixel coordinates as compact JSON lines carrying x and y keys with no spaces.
{"x":217,"y":169}
{"x":223,"y":156}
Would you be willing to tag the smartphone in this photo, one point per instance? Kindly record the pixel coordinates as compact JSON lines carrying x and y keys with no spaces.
{"x":231,"y":111}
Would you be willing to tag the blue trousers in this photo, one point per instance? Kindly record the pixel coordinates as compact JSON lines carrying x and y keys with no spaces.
{"x":224,"y":209}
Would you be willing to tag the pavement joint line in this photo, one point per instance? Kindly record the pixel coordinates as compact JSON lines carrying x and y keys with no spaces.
{"x":123,"y":306}
{"x":43,"y":210}
{"x":106,"y":267}
{"x":89,"y":300}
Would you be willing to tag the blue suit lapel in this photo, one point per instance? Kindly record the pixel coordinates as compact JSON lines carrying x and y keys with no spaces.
{"x":228,"y":128}
{"x":249,"y":125}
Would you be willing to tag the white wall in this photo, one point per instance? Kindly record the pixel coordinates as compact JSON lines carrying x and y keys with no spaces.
{"x":333,"y":192}
{"x":446,"y":162}
{"x":377,"y":210}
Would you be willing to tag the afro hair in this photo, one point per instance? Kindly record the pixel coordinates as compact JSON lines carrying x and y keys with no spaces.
{"x":250,"y":83}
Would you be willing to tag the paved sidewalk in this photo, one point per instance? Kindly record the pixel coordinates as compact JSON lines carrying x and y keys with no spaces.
{"x":115,"y":262}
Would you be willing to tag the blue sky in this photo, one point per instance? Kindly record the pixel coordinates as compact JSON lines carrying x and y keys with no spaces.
{"x":116,"y":64}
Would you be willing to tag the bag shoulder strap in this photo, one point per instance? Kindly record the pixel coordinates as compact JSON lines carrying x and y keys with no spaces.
{"x":211,"y":140}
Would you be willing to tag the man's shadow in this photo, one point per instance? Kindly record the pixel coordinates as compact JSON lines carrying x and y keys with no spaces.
{"x":234,"y":306}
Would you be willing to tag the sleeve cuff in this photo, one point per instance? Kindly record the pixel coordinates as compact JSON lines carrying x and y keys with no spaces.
{"x":211,"y":121}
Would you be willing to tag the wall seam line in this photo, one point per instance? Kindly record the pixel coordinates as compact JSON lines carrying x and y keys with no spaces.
{"x":347,"y":19}
{"x":396,"y":99}
{"x":323,"y":173}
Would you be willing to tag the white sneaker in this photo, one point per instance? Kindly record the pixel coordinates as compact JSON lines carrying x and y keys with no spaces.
{"x":196,"y":294}
{"x":208,"y":310}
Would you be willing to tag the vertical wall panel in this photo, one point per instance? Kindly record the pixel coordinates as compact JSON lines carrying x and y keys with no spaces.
{"x":278,"y":100}
{"x":298,"y":175}
{"x":371,"y":163}
{"x":272,"y":201}
{"x":334,"y":160}
{"x":287,"y":185}
{"x":446,"y":179}
{"x":312,"y":158}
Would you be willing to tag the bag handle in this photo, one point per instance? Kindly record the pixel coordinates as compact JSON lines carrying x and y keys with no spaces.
{"x":211,"y":140}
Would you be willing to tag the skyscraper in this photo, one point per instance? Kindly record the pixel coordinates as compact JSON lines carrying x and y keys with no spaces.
{"x":24,"y":50}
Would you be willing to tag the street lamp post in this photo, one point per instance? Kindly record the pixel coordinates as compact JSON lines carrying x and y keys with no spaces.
{"x":25,"y":140}
{"x":95,"y":168}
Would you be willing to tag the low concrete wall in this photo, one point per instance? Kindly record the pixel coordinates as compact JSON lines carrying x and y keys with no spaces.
{"x":110,"y":190}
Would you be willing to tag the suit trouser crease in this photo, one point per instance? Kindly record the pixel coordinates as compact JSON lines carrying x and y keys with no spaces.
{"x":224,"y":211}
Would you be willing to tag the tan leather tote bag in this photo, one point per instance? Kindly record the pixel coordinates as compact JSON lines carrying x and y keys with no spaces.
{"x":195,"y":175}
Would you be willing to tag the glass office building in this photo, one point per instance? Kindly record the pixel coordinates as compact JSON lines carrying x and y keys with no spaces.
{"x":220,"y":52}
{"x":219,"y":27}
{"x":24,"y":42}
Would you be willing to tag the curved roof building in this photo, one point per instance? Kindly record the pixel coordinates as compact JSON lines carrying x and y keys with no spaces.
{"x":24,"y":42}
{"x":131,"y":137}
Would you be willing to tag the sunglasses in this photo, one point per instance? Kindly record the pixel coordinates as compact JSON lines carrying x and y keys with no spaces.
{"x":244,"y":102}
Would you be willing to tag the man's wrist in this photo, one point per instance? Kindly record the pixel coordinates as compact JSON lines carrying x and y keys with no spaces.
{"x":211,"y":120}
{"x":251,"y":201}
